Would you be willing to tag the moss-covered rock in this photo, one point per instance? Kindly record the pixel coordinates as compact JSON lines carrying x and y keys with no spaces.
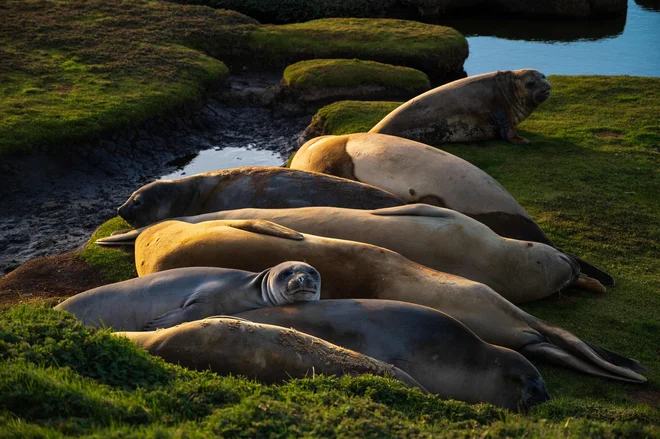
{"x":114,"y":264}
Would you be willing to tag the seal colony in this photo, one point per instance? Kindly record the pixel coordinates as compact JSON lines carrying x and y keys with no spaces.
{"x":381,"y":312}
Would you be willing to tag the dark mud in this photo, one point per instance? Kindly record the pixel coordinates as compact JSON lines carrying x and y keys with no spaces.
{"x":52,"y":201}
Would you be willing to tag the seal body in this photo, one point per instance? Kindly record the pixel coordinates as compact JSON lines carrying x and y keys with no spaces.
{"x":353,"y":270}
{"x":168,"y":298}
{"x":438,"y":238}
{"x":265,"y":187}
{"x":270,"y":354}
{"x":419,"y":173}
{"x":481,"y":107}
{"x":435,"y":349}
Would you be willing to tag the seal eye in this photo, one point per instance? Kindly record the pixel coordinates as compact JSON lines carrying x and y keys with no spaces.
{"x":530,"y":84}
{"x":285,"y":273}
{"x":137,"y":202}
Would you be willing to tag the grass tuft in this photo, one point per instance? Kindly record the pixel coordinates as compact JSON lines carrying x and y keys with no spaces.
{"x":114,"y":264}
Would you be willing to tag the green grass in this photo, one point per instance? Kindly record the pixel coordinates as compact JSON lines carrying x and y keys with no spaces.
{"x":324,"y":73}
{"x":114,"y":264}
{"x":436,"y":50}
{"x":59,"y":378}
{"x":591,"y":179}
{"x":72,"y":69}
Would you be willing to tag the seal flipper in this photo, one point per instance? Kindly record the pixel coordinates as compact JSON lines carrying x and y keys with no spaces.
{"x":127,"y":238}
{"x":596,"y":273}
{"x":418,"y":209}
{"x":188,"y":313}
{"x":566,"y":349}
{"x":264,"y":227}
{"x":617,"y":359}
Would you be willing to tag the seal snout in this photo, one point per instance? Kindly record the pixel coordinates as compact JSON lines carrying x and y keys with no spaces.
{"x":534,"y":393}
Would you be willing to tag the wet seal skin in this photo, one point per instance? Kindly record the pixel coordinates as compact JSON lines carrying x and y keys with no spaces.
{"x":438,"y":238}
{"x":168,"y":298}
{"x":481,"y":107}
{"x":258,"y":186}
{"x":418,"y":173}
{"x":353,"y":270}
{"x":435,"y":349}
{"x":270,"y":354}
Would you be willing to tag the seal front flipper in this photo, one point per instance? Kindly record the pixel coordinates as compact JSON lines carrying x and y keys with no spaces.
{"x":264,"y":227}
{"x":418,"y":209}
{"x":564,"y":348}
{"x":127,"y":238}
{"x":189,"y":313}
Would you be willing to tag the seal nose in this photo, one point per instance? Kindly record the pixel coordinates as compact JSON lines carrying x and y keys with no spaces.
{"x":301,"y":279}
{"x":534,"y":393}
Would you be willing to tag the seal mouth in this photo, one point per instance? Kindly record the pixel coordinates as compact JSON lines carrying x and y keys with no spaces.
{"x":543,"y":96}
{"x":534,"y":393}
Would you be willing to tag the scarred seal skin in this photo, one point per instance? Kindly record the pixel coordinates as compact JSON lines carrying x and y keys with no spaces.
{"x":435,"y":349}
{"x":353,"y":270}
{"x":481,"y":107}
{"x":165,"y":299}
{"x":418,"y":173}
{"x":438,"y":238}
{"x":258,"y":186}
{"x":270,"y":354}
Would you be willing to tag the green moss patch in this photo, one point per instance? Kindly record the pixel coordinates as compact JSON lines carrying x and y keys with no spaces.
{"x":59,"y":378}
{"x":596,"y":195}
{"x":436,"y":50}
{"x":114,"y":264}
{"x":335,"y":73}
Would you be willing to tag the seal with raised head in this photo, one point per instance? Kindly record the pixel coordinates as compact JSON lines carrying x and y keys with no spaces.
{"x":481,"y":107}
{"x":418,"y":173}
{"x":435,"y":349}
{"x":270,"y":354}
{"x":258,"y":186}
{"x":165,"y":299}
{"x":354,"y":270}
{"x":438,"y":238}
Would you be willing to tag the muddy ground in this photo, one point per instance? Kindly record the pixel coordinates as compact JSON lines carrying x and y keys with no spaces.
{"x":51,"y":202}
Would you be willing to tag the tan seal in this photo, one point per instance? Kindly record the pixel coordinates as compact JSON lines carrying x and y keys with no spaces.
{"x":353,"y":270}
{"x":418,"y":173}
{"x":435,"y":349}
{"x":481,"y":107}
{"x":438,"y":238}
{"x":270,"y":354}
{"x":165,"y":299}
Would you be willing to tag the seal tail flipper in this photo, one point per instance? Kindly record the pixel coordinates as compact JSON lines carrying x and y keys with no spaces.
{"x":596,"y":273}
{"x":617,"y":359}
{"x":127,"y":238}
{"x":587,"y":283}
{"x":564,"y":348}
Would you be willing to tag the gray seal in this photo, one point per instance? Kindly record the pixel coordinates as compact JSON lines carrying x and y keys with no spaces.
{"x":270,"y":354}
{"x":481,"y":107}
{"x":264,"y":187}
{"x":435,"y":349}
{"x":168,"y":298}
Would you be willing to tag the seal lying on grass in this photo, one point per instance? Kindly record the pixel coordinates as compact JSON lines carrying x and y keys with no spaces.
{"x":435,"y":349}
{"x":270,"y":354}
{"x":438,"y":238}
{"x":165,"y":299}
{"x":419,"y":173}
{"x":353,"y":270}
{"x":266,"y":187}
{"x":481,"y":107}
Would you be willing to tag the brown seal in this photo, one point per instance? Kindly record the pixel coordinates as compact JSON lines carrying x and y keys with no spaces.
{"x":353,"y":270}
{"x":418,"y":173}
{"x":270,"y":354}
{"x":435,"y":349}
{"x":481,"y":107}
{"x":258,"y":186}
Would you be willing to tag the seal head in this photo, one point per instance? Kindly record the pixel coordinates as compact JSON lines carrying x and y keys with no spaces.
{"x":536,"y":86}
{"x":291,"y":282}
{"x":150,"y":203}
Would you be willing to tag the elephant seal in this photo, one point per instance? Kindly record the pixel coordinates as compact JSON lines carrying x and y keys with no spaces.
{"x":481,"y":107}
{"x":271,"y":354}
{"x":435,"y":349}
{"x":438,"y":238}
{"x":353,"y":270}
{"x":266,"y":187}
{"x":165,"y":299}
{"x":419,"y":173}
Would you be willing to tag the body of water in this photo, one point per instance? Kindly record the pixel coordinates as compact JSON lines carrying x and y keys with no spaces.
{"x":627,"y":45}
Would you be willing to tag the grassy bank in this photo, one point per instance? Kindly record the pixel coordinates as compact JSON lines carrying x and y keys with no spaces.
{"x":70,"y":70}
{"x":58,"y":378}
{"x":335,"y":73}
